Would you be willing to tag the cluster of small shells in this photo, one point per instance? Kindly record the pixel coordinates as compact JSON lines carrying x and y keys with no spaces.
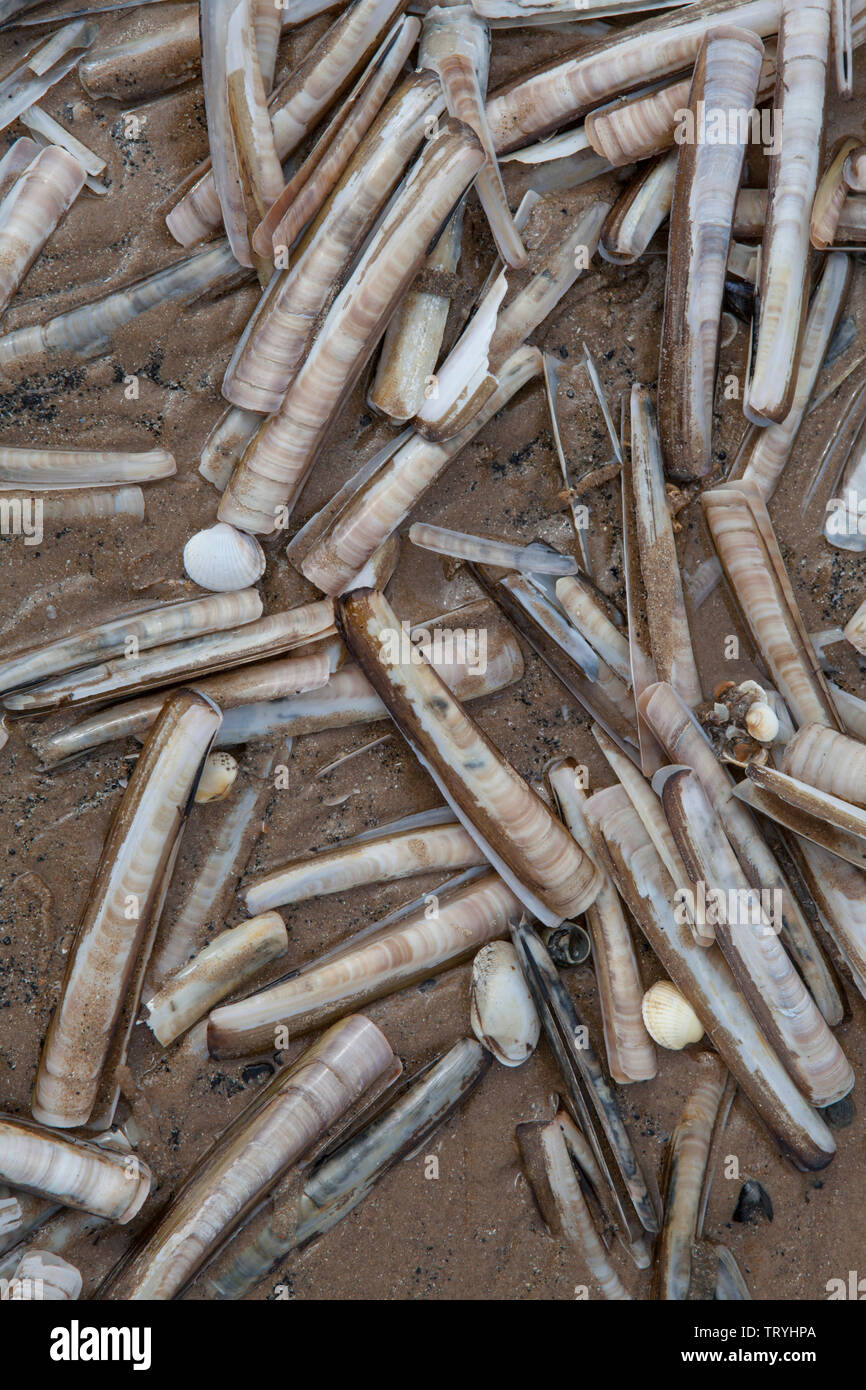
{"x":740,"y":722}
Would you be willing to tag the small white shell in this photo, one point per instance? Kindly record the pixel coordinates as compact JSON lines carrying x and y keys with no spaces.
{"x":10,"y":1214}
{"x":502,"y":1013}
{"x":222,"y":558}
{"x":45,"y":1277}
{"x":669,"y":1018}
{"x":762,"y":722}
{"x":217,"y":778}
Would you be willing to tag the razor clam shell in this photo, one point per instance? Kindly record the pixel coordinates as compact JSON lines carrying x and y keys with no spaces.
{"x":670,"y":638}
{"x":200,"y":656}
{"x":115,"y":932}
{"x":455,"y":43}
{"x":225,"y":444}
{"x":643,"y":671}
{"x":250,"y":131}
{"x":67,"y":507}
{"x":529,"y":847}
{"x":52,"y":1278}
{"x":855,"y":629}
{"x":562,"y":1194}
{"x":851,"y":710}
{"x":686,"y":743}
{"x":387,"y":496}
{"x":825,"y":821}
{"x":634,"y":220}
{"x":685,"y":1168}
{"x":384,"y":859}
{"x":343,"y":1179}
{"x":149,"y":627}
{"x":273,"y":344}
{"x":81,"y":1175}
{"x":526,"y":558}
{"x":214,"y":19}
{"x":562,"y":90}
{"x":277,"y":461}
{"x":31,"y":212}
{"x":746,"y":545}
{"x":586,"y":1084}
{"x":308,"y":188}
{"x":767,"y":450}
{"x":472,"y":370}
{"x":235,"y":832}
{"x":17,"y":158}
{"x":585,"y":613}
{"x":133,"y":69}
{"x":708,"y":175}
{"x":561,"y":11}
{"x":413,"y":949}
{"x":88,"y":329}
{"x":831,"y":195}
{"x":801,"y":78}
{"x":42,"y":67}
{"x":777,"y":996}
{"x":630,"y":1051}
{"x":262,"y":1144}
{"x":844,"y":529}
{"x":828,"y":760}
{"x":51,"y":134}
{"x":552,"y":622}
{"x":219,"y":969}
{"x":703,"y":976}
{"x":61,"y":469}
{"x":413,"y":338}
{"x":839,"y":891}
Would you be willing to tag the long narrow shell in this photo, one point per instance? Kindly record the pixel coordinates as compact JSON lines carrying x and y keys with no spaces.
{"x":78,"y":1174}
{"x":725,"y":82}
{"x":643,"y":207}
{"x":276,"y":463}
{"x":133,"y":69}
{"x":744,"y":539}
{"x":688,"y":1151}
{"x":31,"y":212}
{"x":801,"y":78}
{"x":226,"y":443}
{"x":828,"y":760}
{"x":115,"y":933}
{"x":59,"y":469}
{"x":413,"y":949}
{"x":703,"y":976}
{"x":246,"y":1162}
{"x":536,"y":856}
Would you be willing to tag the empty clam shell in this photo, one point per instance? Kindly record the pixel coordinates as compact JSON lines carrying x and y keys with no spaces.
{"x":502,"y":1013}
{"x":217,"y":777}
{"x":45,"y":1277}
{"x":221,"y":557}
{"x":669,"y":1018}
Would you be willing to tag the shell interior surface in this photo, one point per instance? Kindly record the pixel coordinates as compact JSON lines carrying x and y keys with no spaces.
{"x":502,"y":1013}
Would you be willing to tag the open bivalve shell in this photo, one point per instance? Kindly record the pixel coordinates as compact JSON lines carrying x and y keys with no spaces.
{"x":502,"y":1013}
{"x":221,"y":558}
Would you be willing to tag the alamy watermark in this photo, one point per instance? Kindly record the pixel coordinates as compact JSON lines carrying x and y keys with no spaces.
{"x":728,"y":125}
{"x":738,"y":907}
{"x":22,"y":516}
{"x":442,"y":646}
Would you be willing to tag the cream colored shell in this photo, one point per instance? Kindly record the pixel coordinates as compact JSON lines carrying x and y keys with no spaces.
{"x":217,"y":778}
{"x":669,"y":1018}
{"x":222,"y":558}
{"x":502,"y":1013}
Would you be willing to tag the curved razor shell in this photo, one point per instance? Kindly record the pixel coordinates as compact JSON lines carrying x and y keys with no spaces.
{"x":801,"y":79}
{"x":526,"y":558}
{"x":746,"y":545}
{"x":834,"y":825}
{"x":670,"y":638}
{"x":708,"y":175}
{"x":776,"y":994}
{"x":703,"y":976}
{"x":31,"y":212}
{"x":17,"y":158}
{"x":828,"y":760}
{"x":586,"y":614}
{"x":59,"y":469}
{"x":455,"y":43}
{"x":854,"y":170}
{"x":88,"y":329}
{"x":67,"y":507}
{"x":536,"y":856}
{"x":561,"y":91}
{"x":181,"y":661}
{"x":383,"y":859}
{"x":385,"y":498}
{"x":250,"y":129}
{"x":831,"y":195}
{"x":631,"y":1054}
{"x":686,"y":1166}
{"x":214,"y":19}
{"x":308,"y":188}
{"x":266,"y":1139}
{"x":685,"y":743}
{"x":41,"y":67}
{"x":552,"y":622}
{"x":586,"y":1086}
{"x":225,"y":444}
{"x":839,"y":891}
{"x":855,"y":629}
{"x":342,"y":1180}
{"x":274,"y":341}
{"x":413,"y":949}
{"x":413,"y":339}
{"x":147,"y":628}
{"x":634,"y":220}
{"x":276,"y":463}
{"x":219,"y":969}
{"x":134,"y":69}
{"x":115,"y":933}
{"x":472,"y":371}
{"x":82,"y":1175}
{"x":767,"y":450}
{"x":518,"y":12}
